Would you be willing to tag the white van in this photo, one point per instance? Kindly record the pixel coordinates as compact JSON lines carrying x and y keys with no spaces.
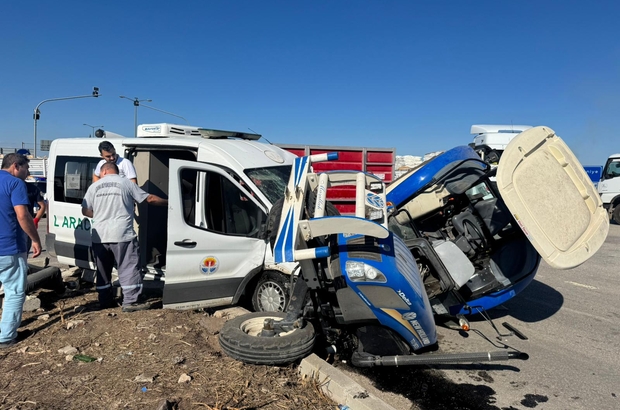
{"x":208,"y":247}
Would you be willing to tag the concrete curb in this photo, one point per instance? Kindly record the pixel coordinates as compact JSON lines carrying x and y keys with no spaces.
{"x":340,"y":387}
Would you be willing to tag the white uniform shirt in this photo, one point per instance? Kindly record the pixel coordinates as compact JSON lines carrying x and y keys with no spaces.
{"x":125,"y":168}
{"x":111,"y":199}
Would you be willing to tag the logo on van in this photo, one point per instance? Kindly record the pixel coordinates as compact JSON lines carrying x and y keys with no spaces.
{"x":209,"y":265}
{"x":153,"y":129}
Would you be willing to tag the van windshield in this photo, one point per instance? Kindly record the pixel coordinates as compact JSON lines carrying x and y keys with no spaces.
{"x":612,"y":168}
{"x":271,"y":181}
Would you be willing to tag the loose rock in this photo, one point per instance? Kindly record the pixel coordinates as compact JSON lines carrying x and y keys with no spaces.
{"x":142,"y":378}
{"x":74,"y":323}
{"x":32,"y":303}
{"x":68,"y":350}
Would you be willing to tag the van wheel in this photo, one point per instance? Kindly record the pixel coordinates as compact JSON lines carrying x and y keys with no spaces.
{"x":241,"y":339}
{"x":616,"y":214}
{"x":271,"y":293}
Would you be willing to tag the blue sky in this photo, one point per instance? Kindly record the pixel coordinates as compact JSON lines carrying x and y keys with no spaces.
{"x":405,"y":74}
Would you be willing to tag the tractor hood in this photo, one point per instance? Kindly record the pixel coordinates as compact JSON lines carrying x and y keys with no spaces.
{"x":410,"y":185}
{"x":552,"y":198}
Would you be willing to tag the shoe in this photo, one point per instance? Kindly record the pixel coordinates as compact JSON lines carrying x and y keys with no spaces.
{"x":136,"y":306}
{"x":107,"y":305}
{"x":4,"y":345}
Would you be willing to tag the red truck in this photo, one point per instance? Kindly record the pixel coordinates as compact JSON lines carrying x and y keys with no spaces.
{"x":377,"y":161}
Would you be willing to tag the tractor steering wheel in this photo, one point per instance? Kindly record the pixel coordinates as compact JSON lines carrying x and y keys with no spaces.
{"x":478,"y":244}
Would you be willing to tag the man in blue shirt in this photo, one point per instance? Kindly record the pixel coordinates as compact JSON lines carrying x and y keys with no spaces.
{"x":16,"y":222}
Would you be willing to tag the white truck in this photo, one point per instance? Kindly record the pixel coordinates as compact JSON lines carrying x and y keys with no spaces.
{"x":208,"y":248}
{"x":609,"y":187}
{"x":490,"y":139}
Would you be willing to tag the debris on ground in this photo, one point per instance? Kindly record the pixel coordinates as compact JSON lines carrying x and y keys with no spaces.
{"x":77,"y":357}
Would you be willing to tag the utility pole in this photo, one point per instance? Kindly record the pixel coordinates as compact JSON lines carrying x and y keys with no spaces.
{"x":37,"y":113}
{"x":136,"y":104}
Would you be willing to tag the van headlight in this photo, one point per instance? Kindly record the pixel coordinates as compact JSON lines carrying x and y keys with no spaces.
{"x":359,"y":271}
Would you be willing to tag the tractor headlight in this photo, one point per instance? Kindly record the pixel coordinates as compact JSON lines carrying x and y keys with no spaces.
{"x":359,"y":271}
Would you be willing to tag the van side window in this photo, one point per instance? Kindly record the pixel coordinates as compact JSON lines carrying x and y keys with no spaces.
{"x":72,"y":177}
{"x":213,"y":202}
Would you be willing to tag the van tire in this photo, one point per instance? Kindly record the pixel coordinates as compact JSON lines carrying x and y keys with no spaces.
{"x":615,"y":216}
{"x":272,"y":292}
{"x":238,"y":340}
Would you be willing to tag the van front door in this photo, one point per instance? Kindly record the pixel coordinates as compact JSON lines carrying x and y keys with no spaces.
{"x":213,"y":236}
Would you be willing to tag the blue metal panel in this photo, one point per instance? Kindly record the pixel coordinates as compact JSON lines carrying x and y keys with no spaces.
{"x":494,"y":299}
{"x":415,"y":324}
{"x":415,"y":181}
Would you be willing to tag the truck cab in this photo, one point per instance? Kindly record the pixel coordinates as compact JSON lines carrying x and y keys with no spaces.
{"x":493,"y":139}
{"x":609,"y":187}
{"x":208,"y":247}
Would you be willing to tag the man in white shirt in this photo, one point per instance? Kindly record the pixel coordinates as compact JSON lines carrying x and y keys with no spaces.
{"x":108,"y":153}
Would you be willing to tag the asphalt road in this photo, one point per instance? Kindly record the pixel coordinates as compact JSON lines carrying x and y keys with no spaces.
{"x":572,"y":321}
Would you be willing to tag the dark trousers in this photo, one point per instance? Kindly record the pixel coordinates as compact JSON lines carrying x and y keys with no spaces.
{"x":126,"y":256}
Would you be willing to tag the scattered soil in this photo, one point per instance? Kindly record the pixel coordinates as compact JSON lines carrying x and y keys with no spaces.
{"x":155,"y":359}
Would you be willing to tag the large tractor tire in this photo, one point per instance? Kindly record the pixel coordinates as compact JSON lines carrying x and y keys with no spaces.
{"x":330,"y":209}
{"x":273,"y":220}
{"x":240,"y":339}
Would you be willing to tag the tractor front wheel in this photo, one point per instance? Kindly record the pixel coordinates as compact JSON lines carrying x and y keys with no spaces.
{"x":242,"y":340}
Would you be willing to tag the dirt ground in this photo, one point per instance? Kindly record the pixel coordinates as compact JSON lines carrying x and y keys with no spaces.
{"x":155,"y":359}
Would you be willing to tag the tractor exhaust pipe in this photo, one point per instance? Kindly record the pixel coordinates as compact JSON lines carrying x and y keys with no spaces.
{"x":365,"y":360}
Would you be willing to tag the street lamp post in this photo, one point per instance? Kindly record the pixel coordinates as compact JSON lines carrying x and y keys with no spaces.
{"x":93,"y":127}
{"x":136,"y":104}
{"x":165,"y":112}
{"x":37,"y":113}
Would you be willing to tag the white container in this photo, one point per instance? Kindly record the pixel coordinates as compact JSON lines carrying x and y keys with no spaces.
{"x":456,"y":262}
